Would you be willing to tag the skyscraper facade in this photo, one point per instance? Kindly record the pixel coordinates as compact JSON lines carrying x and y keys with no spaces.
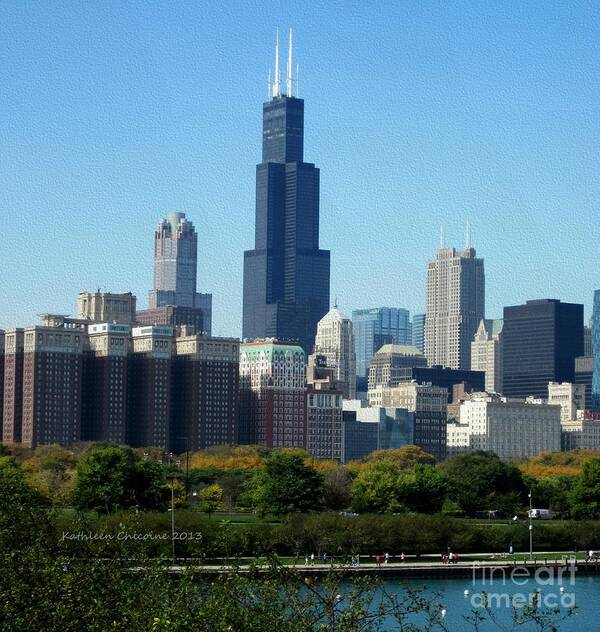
{"x":596,"y":352}
{"x":286,"y":276}
{"x":418,"y":332}
{"x":486,"y":353}
{"x":335,"y":341}
{"x":272,"y":394}
{"x":541,"y":340}
{"x":173,"y":295}
{"x":376,"y":327}
{"x":455,"y":306}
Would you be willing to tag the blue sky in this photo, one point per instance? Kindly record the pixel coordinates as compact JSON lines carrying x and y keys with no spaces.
{"x":417,"y":113}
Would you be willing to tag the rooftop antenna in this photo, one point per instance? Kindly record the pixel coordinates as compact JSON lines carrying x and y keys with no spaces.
{"x":442,"y":237}
{"x":336,"y":302}
{"x":289,"y":67}
{"x":276,"y":82}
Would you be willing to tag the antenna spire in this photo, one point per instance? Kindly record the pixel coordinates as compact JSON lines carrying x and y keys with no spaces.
{"x":276,"y":82}
{"x":289,"y":67}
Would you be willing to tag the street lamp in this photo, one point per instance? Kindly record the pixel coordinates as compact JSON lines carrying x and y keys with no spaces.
{"x":530,"y":526}
{"x":172,"y":476}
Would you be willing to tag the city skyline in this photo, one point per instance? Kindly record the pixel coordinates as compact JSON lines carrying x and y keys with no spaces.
{"x":110,"y":205}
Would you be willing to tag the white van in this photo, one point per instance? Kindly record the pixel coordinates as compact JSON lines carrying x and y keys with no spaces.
{"x":540,"y":514}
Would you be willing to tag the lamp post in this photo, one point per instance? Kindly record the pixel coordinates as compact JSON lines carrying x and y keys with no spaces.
{"x":172,"y":476}
{"x":530,"y":526}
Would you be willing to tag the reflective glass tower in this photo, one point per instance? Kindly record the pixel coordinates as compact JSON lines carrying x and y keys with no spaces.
{"x":596,"y":352}
{"x":286,"y":276}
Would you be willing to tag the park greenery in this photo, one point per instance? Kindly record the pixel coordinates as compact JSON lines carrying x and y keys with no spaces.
{"x":106,"y":478}
{"x":59,"y":570}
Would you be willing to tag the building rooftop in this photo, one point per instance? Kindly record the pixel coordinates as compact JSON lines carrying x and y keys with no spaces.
{"x":405,"y":350}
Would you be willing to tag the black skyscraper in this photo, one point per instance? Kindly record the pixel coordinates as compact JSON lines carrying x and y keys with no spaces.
{"x":541,"y":340}
{"x":286,"y":276}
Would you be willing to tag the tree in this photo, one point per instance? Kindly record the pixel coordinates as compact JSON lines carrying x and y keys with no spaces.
{"x":286,"y":485}
{"x":337,"y":488}
{"x":113,"y":477}
{"x":405,"y":457}
{"x":384,"y":487}
{"x":210,"y":498}
{"x":51,"y":470}
{"x":482,"y":481}
{"x":375,"y":488}
{"x":585,"y":495}
{"x":426,"y":489}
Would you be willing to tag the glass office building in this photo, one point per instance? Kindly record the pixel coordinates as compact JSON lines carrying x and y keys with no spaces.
{"x":376,"y":327}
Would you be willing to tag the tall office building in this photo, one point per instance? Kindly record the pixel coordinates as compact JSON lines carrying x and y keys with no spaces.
{"x":455,"y":306}
{"x":596,"y":352}
{"x":418,"y":332}
{"x":541,"y":340}
{"x":486,"y":353}
{"x":104,"y":401}
{"x":286,"y":276}
{"x":584,"y":373}
{"x":272,"y":394}
{"x":13,"y":386}
{"x":393,"y":364}
{"x":376,"y":327}
{"x":205,"y":392}
{"x":52,"y":383}
{"x":335,"y":341}
{"x":149,"y":387}
{"x":587,"y":341}
{"x":173,"y":300}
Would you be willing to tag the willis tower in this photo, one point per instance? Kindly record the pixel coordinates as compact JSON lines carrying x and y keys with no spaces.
{"x":286,"y":276}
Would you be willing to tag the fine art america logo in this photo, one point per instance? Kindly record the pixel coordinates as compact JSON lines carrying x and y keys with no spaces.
{"x":554,"y":586}
{"x":122,"y":536}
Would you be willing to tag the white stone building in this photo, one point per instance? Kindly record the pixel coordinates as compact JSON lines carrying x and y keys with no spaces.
{"x":335,"y":341}
{"x":508,"y":428}
{"x":486,"y":353}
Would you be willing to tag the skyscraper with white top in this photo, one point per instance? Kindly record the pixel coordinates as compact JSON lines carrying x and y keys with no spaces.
{"x":455,"y":306}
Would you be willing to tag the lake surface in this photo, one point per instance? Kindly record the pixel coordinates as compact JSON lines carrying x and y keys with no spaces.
{"x":584,"y":592}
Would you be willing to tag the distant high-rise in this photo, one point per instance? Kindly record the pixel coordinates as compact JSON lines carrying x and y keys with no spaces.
{"x":596,"y":352}
{"x":286,"y":276}
{"x":393,"y":364}
{"x":335,"y":341}
{"x":376,"y":327}
{"x":418,"y":332}
{"x":541,"y":340}
{"x":455,"y":306}
{"x":486,"y":353}
{"x":173,"y":299}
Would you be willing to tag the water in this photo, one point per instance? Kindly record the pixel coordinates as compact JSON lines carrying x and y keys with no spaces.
{"x":584,"y":592}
